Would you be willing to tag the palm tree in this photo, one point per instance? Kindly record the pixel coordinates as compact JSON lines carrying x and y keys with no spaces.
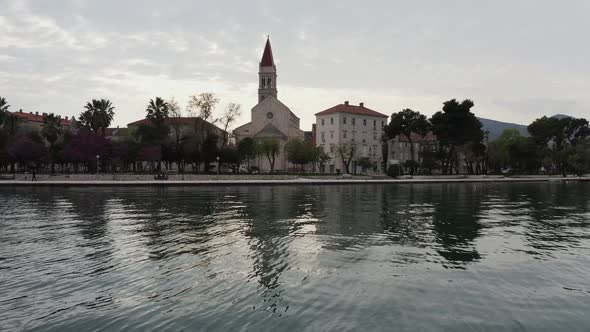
{"x":3,"y":109}
{"x":98,"y":115}
{"x":51,"y":130}
{"x":3,"y":105}
{"x":157,"y":111}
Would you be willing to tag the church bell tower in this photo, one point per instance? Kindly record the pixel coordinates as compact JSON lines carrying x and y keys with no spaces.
{"x":267,"y":74}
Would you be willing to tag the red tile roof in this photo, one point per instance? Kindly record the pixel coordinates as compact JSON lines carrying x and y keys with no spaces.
{"x":30,"y":117}
{"x":352,"y":109}
{"x":267,"y":59}
{"x":181,"y":121}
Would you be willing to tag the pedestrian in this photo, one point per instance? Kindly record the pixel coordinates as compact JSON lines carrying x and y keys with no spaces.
{"x":34,"y":178}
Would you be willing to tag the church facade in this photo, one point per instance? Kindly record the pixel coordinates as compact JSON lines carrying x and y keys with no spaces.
{"x":270,"y":118}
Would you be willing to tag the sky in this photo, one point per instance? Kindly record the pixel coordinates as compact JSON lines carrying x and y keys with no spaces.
{"x":517,"y":60}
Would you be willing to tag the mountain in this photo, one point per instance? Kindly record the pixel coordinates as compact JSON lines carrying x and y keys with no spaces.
{"x":495,"y":128}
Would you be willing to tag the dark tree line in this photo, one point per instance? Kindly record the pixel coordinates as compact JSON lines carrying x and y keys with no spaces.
{"x":161,"y":143}
{"x":554,"y":145}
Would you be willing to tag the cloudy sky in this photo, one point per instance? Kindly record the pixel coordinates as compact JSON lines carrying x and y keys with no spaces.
{"x":517,"y":60}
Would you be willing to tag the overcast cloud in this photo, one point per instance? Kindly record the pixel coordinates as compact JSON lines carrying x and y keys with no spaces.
{"x":517,"y":60}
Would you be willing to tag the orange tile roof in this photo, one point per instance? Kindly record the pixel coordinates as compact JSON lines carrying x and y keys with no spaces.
{"x":352,"y":109}
{"x":37,"y":118}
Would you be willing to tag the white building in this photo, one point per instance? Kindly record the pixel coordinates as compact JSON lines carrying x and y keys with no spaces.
{"x":347,"y":126}
{"x":271,"y":119}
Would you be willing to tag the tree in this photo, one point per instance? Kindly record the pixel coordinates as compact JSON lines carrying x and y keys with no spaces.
{"x":202,"y":106}
{"x":178,"y":134}
{"x":157,"y":111}
{"x":347,"y":152}
{"x":579,"y":158}
{"x":554,"y":136}
{"x":270,"y":148}
{"x":27,"y":150}
{"x":406,"y":123}
{"x":247,"y":150}
{"x":318,"y":157}
{"x":298,"y":152}
{"x":50,"y":131}
{"x":455,"y":126}
{"x":84,"y":146}
{"x":98,"y":115}
{"x":229,"y":154}
{"x":151,"y":153}
{"x":209,"y":150}
{"x":232,"y":113}
{"x":3,"y":110}
{"x":365,"y":163}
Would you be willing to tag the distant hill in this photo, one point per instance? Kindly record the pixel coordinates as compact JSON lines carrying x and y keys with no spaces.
{"x":495,"y":128}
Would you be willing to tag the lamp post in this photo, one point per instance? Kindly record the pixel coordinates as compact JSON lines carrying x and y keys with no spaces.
{"x":217,"y":158}
{"x":97,"y":160}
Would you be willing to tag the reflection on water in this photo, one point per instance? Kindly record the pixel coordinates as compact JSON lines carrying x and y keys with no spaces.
{"x":374,"y":257}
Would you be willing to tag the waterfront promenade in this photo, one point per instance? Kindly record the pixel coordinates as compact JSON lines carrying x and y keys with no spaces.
{"x":233,"y":180}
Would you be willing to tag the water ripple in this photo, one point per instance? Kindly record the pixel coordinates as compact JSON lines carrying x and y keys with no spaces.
{"x":374,"y":257}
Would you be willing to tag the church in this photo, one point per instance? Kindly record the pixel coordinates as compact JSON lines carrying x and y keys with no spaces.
{"x":270,"y":118}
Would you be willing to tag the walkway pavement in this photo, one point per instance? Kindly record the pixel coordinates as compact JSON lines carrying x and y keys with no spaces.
{"x":298,"y":181}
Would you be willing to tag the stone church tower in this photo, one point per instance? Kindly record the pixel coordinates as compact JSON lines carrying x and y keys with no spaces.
{"x":271,"y":119}
{"x":267,"y":73}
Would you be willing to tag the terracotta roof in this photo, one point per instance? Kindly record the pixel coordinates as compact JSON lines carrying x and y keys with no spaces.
{"x":37,"y":118}
{"x":352,"y":109}
{"x":267,"y":59}
{"x":181,"y":120}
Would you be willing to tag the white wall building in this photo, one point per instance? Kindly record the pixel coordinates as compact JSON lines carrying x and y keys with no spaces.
{"x":350,"y":125}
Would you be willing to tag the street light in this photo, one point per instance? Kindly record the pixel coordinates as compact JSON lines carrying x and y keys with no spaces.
{"x":97,"y":160}
{"x":217,"y":164}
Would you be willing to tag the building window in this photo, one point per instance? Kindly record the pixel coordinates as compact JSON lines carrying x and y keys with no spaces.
{"x":382,"y":124}
{"x":331,"y":120}
{"x":323,"y":137}
{"x":375,"y":136}
{"x":332,"y":148}
{"x":269,"y":82}
{"x":332,"y":135}
{"x":344,"y":134}
{"x":322,"y":122}
{"x":374,"y":123}
{"x":353,"y":121}
{"x":344,"y":120}
{"x":364,"y":122}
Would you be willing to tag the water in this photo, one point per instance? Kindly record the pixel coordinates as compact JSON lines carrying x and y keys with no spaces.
{"x":430,"y":257}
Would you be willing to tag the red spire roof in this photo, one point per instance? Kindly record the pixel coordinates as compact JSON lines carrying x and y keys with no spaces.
{"x":267,"y":59}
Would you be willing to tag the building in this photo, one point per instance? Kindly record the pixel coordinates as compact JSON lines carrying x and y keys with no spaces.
{"x":116,"y":134}
{"x":180,"y":127}
{"x":270,"y":118}
{"x":33,"y":122}
{"x":350,"y":126}
{"x":399,"y":149}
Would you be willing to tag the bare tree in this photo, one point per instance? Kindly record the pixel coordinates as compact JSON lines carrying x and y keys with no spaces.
{"x":202,"y":106}
{"x":232,"y":113}
{"x":179,"y":136}
{"x":347,"y":152}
